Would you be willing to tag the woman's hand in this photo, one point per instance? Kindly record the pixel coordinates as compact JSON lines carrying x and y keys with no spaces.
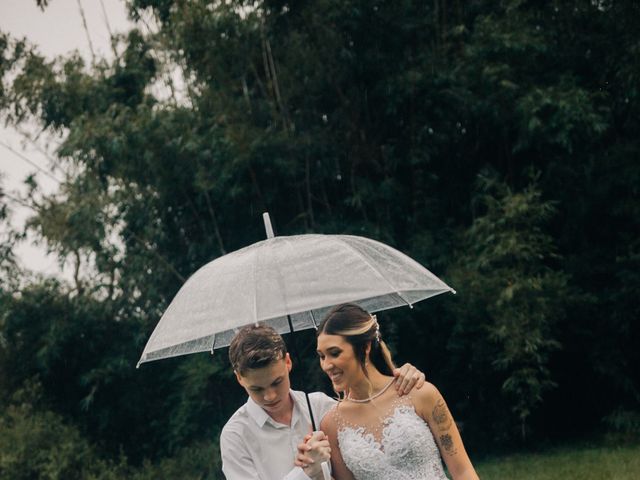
{"x":312,"y":452}
{"x":408,"y":377}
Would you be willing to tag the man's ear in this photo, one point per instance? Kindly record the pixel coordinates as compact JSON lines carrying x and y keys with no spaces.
{"x":287,"y":361}
{"x":238,"y":377}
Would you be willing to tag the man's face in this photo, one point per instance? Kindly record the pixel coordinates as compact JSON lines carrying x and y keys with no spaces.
{"x":269,"y":386}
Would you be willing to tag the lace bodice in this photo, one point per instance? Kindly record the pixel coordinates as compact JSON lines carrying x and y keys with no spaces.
{"x":403,"y":448}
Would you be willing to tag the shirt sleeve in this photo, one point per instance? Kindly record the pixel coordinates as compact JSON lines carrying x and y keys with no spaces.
{"x":321,"y":405}
{"x":237,"y":463}
{"x":296,"y":474}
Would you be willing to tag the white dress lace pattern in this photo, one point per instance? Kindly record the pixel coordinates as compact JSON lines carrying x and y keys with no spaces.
{"x":404,"y":448}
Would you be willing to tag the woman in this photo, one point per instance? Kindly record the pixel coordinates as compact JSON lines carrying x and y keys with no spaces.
{"x":374,"y":433}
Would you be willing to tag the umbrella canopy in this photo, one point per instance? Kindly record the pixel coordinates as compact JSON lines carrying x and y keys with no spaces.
{"x":300,"y":276}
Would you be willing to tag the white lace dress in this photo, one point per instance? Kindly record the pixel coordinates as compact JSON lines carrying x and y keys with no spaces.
{"x":402,"y":448}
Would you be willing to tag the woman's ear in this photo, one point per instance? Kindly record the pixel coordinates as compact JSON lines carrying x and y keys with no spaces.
{"x":367,"y":350}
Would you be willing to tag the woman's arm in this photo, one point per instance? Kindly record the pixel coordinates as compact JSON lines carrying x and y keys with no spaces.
{"x":431,"y":406}
{"x":339,"y":470}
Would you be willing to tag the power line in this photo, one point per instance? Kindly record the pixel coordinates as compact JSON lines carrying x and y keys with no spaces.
{"x":27,"y":136}
{"x":86,"y":30}
{"x":112,"y":39}
{"x":17,"y":200}
{"x":106,"y":19}
{"x":33,"y":164}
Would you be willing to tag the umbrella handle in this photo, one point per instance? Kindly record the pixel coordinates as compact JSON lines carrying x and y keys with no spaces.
{"x":326,"y":473}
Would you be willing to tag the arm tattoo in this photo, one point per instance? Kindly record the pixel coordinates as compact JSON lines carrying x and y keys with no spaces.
{"x":447,"y":443}
{"x":443,"y":422}
{"x":441,"y":416}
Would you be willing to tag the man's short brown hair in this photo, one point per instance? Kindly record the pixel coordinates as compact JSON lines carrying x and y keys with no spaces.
{"x":255,"y":346}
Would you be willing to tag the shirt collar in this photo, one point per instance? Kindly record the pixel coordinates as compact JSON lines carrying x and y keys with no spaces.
{"x":261,"y":417}
{"x":257,"y":413}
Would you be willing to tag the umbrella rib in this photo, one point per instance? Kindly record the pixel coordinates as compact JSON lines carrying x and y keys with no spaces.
{"x":366,"y":261}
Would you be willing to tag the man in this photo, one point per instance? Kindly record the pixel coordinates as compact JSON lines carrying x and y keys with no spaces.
{"x":261,"y":439}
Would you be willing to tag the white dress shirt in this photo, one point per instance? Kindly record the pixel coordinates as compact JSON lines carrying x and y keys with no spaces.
{"x":254,"y":446}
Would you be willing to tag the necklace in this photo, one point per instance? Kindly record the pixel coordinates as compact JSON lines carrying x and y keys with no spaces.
{"x":365,"y":400}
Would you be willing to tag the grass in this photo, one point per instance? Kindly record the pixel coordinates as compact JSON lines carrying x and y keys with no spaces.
{"x":586,"y":463}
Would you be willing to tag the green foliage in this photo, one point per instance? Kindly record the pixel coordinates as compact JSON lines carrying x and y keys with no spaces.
{"x":373,"y":118}
{"x":197,"y":462}
{"x":512,"y":296}
{"x":588,"y":462}
{"x":83,"y":353}
{"x":41,"y":444}
{"x":9,"y":271}
{"x":623,"y":425}
{"x":35,"y":444}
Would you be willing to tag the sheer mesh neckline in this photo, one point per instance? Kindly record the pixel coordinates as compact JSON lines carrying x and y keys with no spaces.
{"x":380,"y":421}
{"x":398,"y":445}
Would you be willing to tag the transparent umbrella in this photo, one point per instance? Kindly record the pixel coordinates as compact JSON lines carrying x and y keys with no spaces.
{"x":289,"y":282}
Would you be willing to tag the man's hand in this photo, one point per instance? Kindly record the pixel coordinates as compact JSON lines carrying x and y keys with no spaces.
{"x":312,"y":452}
{"x":408,"y":377}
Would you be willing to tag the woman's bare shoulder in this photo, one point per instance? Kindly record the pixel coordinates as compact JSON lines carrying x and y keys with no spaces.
{"x":425,"y":398}
{"x":329,"y":420}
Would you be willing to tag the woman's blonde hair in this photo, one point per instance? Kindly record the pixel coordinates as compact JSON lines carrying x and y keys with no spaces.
{"x":359,"y":328}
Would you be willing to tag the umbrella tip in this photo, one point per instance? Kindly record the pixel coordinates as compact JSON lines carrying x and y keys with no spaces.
{"x":267,"y":224}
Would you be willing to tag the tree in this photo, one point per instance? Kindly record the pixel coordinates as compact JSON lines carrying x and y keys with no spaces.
{"x":513,"y":297}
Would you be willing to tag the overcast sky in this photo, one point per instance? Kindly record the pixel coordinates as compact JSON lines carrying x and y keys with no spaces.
{"x":56,"y":31}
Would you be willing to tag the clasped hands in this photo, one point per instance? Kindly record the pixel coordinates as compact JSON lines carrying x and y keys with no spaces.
{"x":312,"y":452}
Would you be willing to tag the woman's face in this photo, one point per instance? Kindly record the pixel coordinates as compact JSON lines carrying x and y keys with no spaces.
{"x":339,"y":362}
